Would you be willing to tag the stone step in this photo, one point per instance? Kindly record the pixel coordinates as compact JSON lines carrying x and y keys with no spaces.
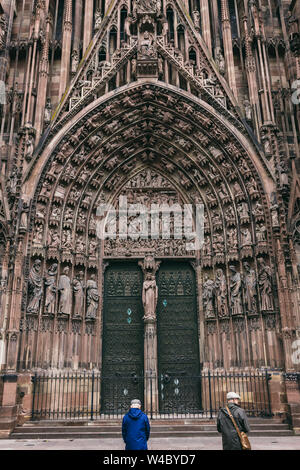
{"x":156,"y":422}
{"x":27,"y":429}
{"x":154,"y":434}
{"x":160,"y":428}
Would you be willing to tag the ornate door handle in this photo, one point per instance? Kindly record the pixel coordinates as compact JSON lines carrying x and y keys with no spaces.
{"x":166,"y":378}
{"x":134,"y":378}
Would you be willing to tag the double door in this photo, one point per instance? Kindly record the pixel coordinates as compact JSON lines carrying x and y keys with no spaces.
{"x":177,"y":339}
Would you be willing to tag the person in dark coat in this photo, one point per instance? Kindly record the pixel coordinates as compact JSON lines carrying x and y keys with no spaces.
{"x":230,"y":437}
{"x":135,"y":428}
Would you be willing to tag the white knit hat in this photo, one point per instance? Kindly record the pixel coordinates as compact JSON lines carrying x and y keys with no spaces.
{"x":232,"y":396}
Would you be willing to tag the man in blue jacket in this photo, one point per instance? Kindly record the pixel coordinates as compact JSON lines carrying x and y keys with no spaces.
{"x":135,"y":428}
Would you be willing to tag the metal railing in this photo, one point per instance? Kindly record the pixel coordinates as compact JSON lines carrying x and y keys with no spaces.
{"x":90,"y":396}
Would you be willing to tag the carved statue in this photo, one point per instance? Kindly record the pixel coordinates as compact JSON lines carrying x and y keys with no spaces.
{"x":150,"y":296}
{"x":267,"y":146}
{"x":92,"y":298}
{"x":78,"y":290}
{"x":250,"y":287}
{"x":196,"y":18}
{"x":265,"y":283}
{"x":93,"y":245}
{"x":13,"y":183}
{"x":243,"y":210}
{"x":35,"y":287}
{"x":208,"y":296}
{"x":258,"y":209}
{"x":246,"y":238}
{"x":236,"y":292}
{"x":221,"y":294}
{"x":3,"y":30}
{"x":248,"y":110}
{"x":206,"y":250}
{"x":75,"y":61}
{"x":64,"y":287}
{"x":38,"y":234}
{"x":232,"y":239}
{"x":261,"y":233}
{"x":98,"y":19}
{"x":24,"y":217}
{"x":146,"y":47}
{"x":80,"y":246}
{"x":283,"y":173}
{"x":144,"y":6}
{"x":48,"y":112}
{"x":53,"y":239}
{"x":67,"y":242}
{"x":50,"y":284}
{"x":29,"y":148}
{"x":220,"y":62}
{"x":275,"y":215}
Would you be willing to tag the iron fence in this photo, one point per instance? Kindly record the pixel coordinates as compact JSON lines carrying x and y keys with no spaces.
{"x":90,"y":396}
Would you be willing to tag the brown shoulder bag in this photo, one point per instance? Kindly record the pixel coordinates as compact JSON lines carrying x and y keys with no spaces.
{"x":245,"y":443}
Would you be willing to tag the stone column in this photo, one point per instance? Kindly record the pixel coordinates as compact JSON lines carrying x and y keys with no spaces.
{"x":228,"y":50}
{"x":77,"y":37}
{"x":205,"y":19}
{"x":215,"y":27}
{"x":66,"y":47}
{"x":35,"y":37}
{"x":150,"y":295}
{"x":252,"y":81}
{"x":150,"y":366}
{"x":88,"y":23}
{"x":43,"y":80}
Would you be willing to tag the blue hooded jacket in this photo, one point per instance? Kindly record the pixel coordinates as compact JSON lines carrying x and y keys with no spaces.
{"x":135,"y":430}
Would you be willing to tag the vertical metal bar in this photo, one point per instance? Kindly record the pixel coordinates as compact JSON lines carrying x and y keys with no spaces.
{"x":209,"y":389}
{"x":34,"y":380}
{"x":63,"y":395}
{"x":79,"y":401}
{"x":260,"y":395}
{"x":256,"y":396}
{"x":205,"y":393}
{"x":218,"y":385}
{"x":92,"y":398}
{"x":71,"y":396}
{"x":67,"y":394}
{"x":75,"y":394}
{"x":151,"y":396}
{"x":47,"y":410}
{"x":59,"y":387}
{"x":249,"y":391}
{"x":268,"y":377}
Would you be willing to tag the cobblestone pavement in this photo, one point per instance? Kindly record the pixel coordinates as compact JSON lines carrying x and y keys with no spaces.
{"x":190,"y":443}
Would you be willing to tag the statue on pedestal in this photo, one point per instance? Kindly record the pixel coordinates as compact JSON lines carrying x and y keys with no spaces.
{"x":92,"y":298}
{"x":250,"y":288}
{"x":35,"y":287}
{"x":150,"y":296}
{"x":236,"y":292}
{"x":64,"y":287}
{"x":265,"y":285}
{"x":50,"y":282}
{"x":208,"y":295}
{"x":78,"y":290}
{"x":221,"y":294}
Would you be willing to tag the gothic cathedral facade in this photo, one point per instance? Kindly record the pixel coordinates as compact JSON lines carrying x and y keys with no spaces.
{"x":176,"y":102}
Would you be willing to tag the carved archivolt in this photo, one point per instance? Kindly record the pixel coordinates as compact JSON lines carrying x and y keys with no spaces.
{"x":154,"y":146}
